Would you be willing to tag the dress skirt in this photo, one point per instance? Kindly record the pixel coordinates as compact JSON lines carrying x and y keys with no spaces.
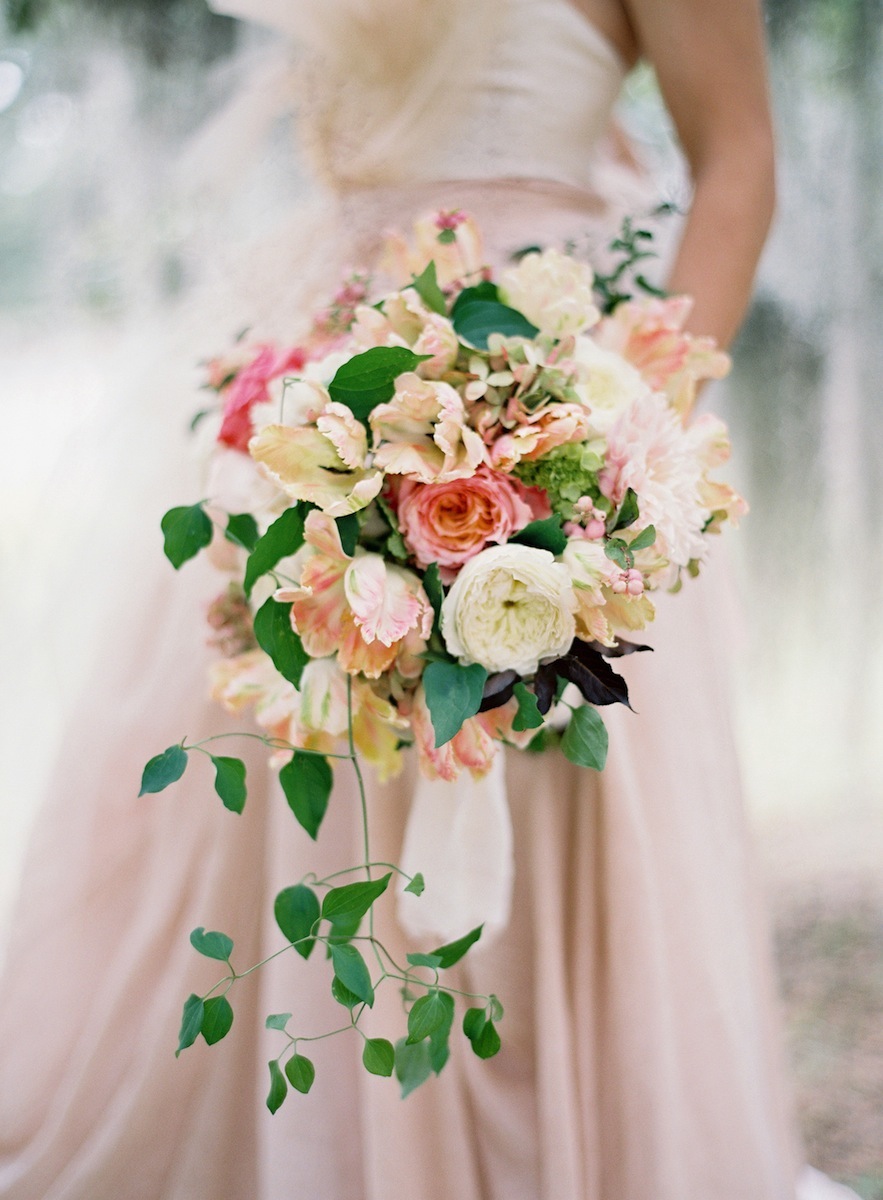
{"x":641,"y":1053}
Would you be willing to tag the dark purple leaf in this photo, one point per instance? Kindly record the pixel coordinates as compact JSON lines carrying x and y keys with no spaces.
{"x":546,"y":684}
{"x":594,"y":677}
{"x":498,"y":690}
{"x":621,"y":648}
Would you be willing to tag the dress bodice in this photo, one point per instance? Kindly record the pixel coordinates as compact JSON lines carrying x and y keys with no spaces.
{"x":537,"y":104}
{"x":496,"y":89}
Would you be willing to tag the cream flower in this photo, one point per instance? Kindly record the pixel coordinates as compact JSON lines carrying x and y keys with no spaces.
{"x":405,"y":321}
{"x":322,"y":464}
{"x":321,"y":721}
{"x":510,"y":607}
{"x":605,"y":383}
{"x":591,"y":572}
{"x":439,"y":340}
{"x":457,"y":255}
{"x":552,"y":290}
{"x":422,"y":433}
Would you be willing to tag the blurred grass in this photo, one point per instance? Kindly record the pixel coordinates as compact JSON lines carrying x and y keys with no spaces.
{"x":830,"y":953}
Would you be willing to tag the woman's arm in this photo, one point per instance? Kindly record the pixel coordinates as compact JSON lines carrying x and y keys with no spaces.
{"x":710,"y":62}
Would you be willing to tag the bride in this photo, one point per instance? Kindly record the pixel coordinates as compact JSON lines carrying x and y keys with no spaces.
{"x":642,"y":1054}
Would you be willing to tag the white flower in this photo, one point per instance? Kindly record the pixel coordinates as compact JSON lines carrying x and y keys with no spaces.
{"x":323,"y":702}
{"x":552,"y":290}
{"x":605,"y":382}
{"x":509,"y":607}
{"x":235,"y":485}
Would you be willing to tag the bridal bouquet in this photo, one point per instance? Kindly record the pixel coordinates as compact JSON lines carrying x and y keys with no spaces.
{"x":442,"y":514}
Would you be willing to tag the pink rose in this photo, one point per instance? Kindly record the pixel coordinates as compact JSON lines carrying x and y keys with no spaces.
{"x":449,"y":523}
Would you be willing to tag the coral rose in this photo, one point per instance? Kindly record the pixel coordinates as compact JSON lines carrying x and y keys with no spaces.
{"x":449,"y":523}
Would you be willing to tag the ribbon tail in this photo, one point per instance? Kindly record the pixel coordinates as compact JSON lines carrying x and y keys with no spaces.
{"x":459,"y":837}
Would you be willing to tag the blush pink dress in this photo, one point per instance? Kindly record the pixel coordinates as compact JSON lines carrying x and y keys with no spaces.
{"x":641,"y":1043}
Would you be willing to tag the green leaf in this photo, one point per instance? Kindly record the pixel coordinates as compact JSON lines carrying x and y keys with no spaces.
{"x":453,"y":694}
{"x":186,"y":531}
{"x":343,"y":995}
{"x":413,"y":1064}
{"x":351,"y":970}
{"x":644,"y":539}
{"x":163,"y":769}
{"x":306,"y":782}
{"x":480,"y":291}
{"x":425,"y":960}
{"x":378,"y":1056}
{"x":368,"y":379}
{"x":528,"y":715}
{"x":278,"y":1087}
{"x":446,"y":237}
{"x":191,"y":1022}
{"x":296,"y":910}
{"x":427,"y":1015}
{"x":343,"y":930}
{"x":217,"y":1019}
{"x":284,"y":537}
{"x":432,"y":585}
{"x":476,"y":320}
{"x":474,"y":1020}
{"x":426,"y":287}
{"x":395,"y":544}
{"x":300,"y":1072}
{"x":439,"y":1051}
{"x":496,"y":1008}
{"x":487,"y":1044}
{"x":481,"y":1032}
{"x":230,"y":782}
{"x":278,"y":1020}
{"x":585,"y":738}
{"x":452,"y":952}
{"x":628,"y":512}
{"x":242,"y":530}
{"x":417,"y":885}
{"x":348,"y":529}
{"x":617,"y":551}
{"x":212,"y":944}
{"x":543,"y":535}
{"x":275,"y":636}
{"x":352,"y":901}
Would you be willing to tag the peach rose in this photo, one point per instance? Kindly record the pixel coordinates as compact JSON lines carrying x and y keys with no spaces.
{"x":449,"y":523}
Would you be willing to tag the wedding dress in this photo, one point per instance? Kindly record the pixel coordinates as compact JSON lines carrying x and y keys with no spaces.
{"x":641,"y":1055}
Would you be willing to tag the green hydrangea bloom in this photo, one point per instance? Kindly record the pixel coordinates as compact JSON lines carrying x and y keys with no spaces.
{"x":565,"y":474}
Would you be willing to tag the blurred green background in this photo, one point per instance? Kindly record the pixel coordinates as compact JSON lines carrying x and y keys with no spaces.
{"x":100,"y":101}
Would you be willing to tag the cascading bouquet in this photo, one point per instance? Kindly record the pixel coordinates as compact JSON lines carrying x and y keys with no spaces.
{"x":442,"y":514}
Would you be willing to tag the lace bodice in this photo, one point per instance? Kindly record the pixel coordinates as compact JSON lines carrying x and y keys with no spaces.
{"x":497,"y":89}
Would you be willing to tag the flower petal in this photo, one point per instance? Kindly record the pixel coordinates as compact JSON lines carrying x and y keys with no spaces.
{"x":305,"y":464}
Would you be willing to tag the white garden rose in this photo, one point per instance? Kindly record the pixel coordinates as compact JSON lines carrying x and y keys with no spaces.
{"x":509,"y":607}
{"x":552,"y":290}
{"x":605,"y":382}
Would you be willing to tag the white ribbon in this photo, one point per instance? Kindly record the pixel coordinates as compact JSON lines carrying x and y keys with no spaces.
{"x":459,"y":837}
